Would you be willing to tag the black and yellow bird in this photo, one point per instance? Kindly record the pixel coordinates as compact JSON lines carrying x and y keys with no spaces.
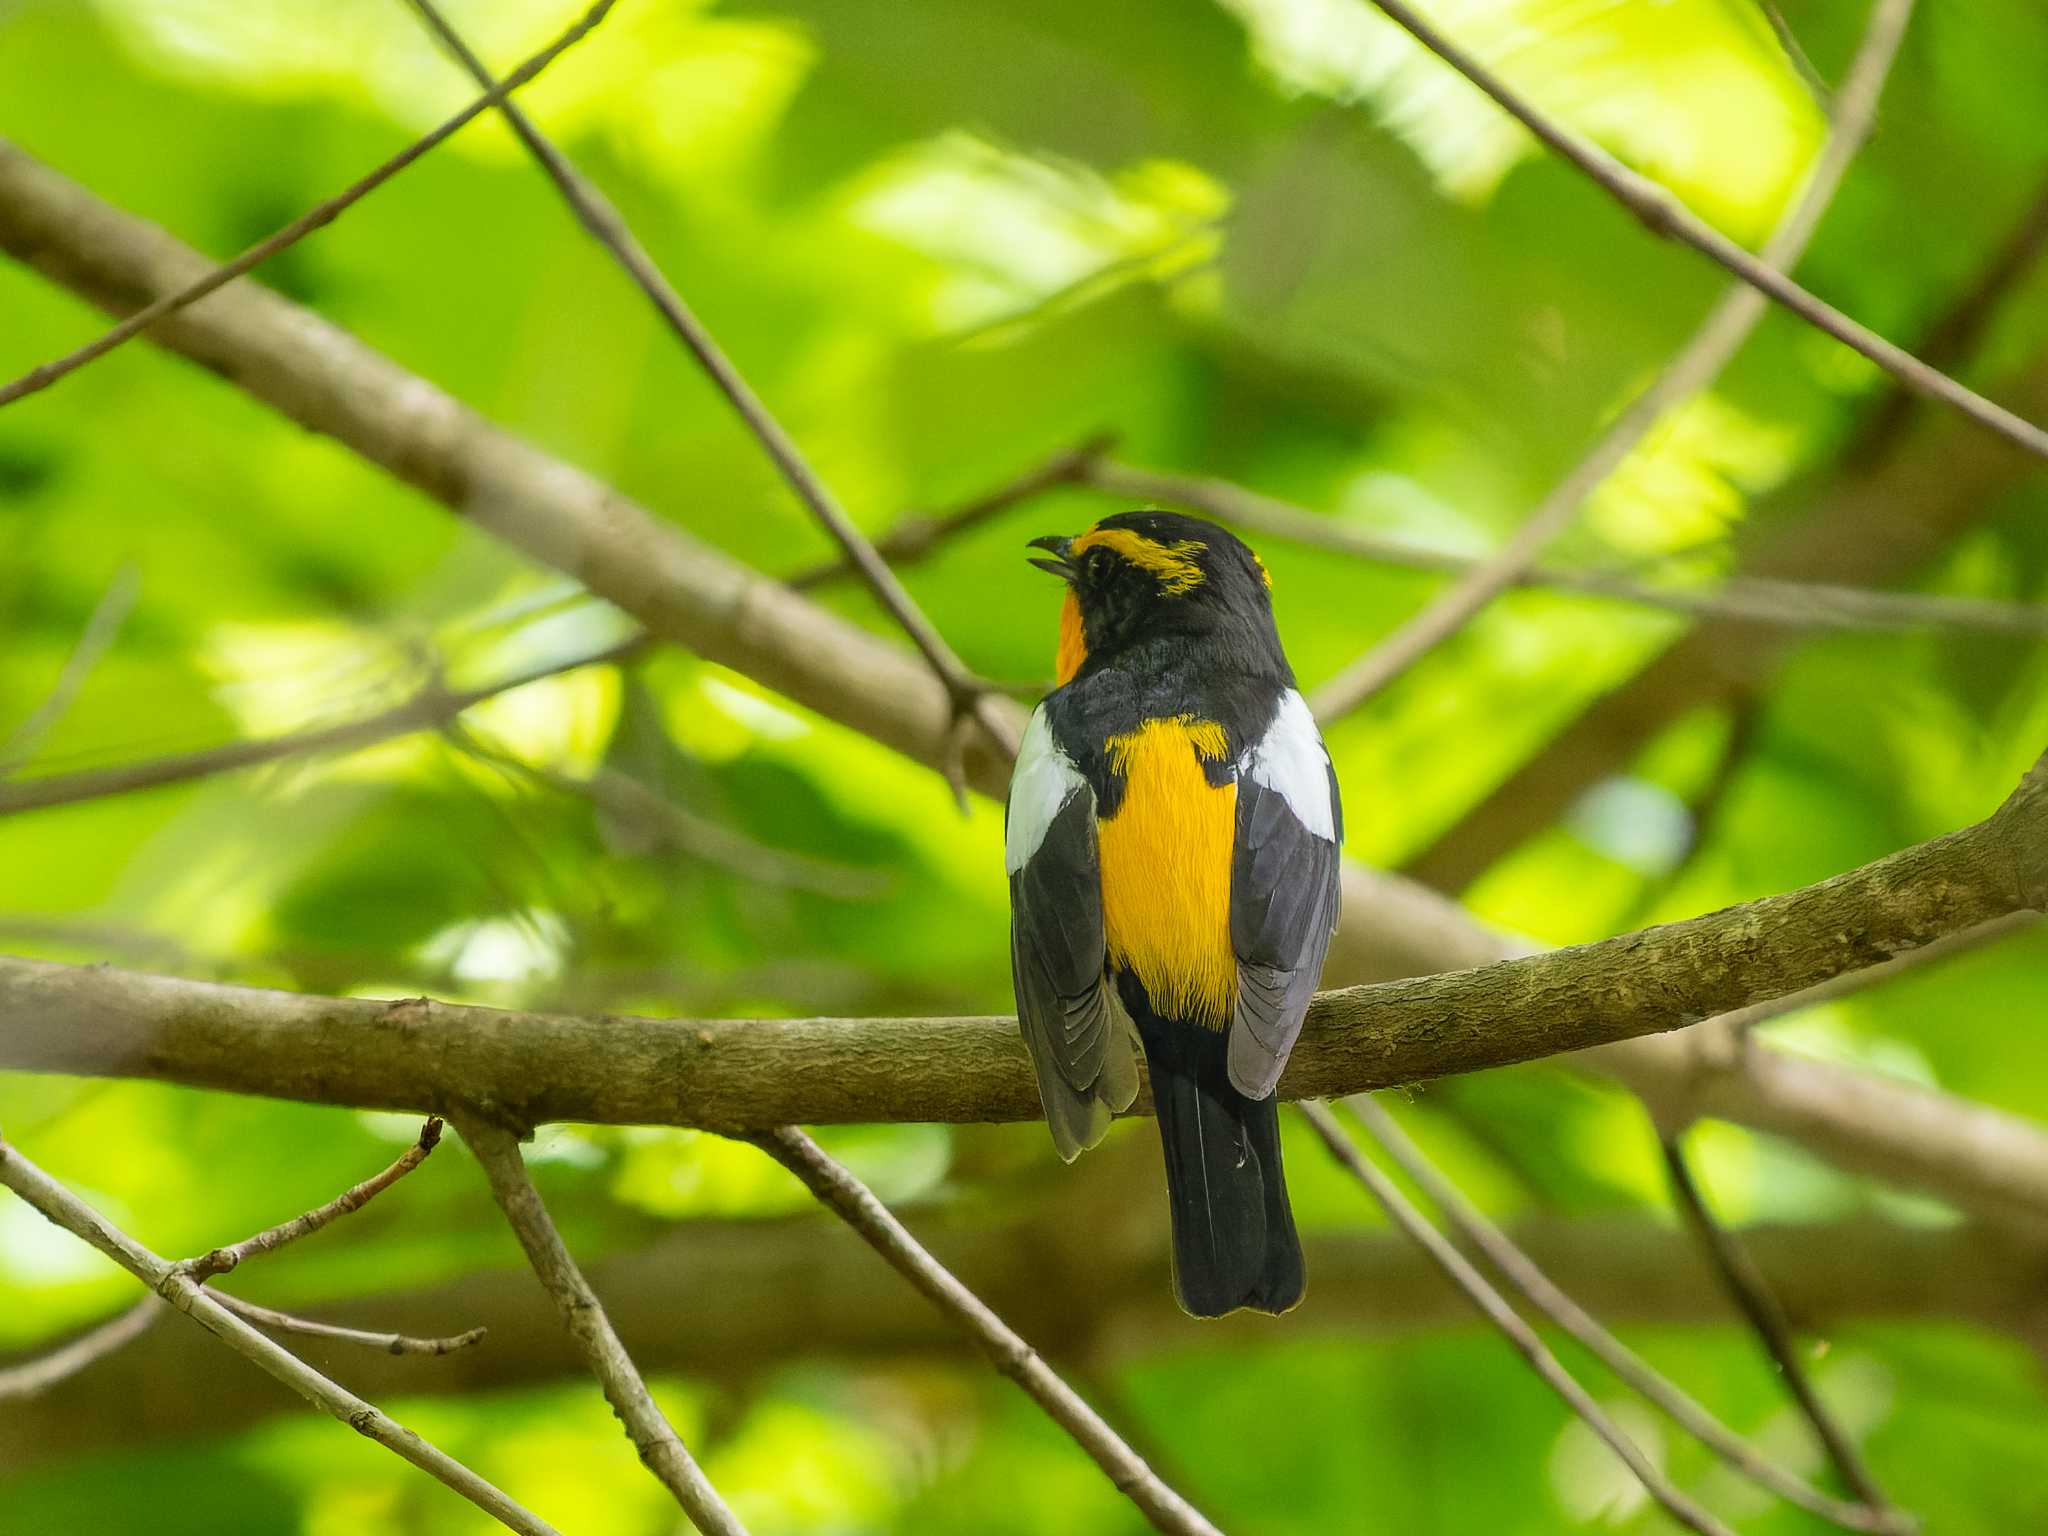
{"x":1172,"y":841}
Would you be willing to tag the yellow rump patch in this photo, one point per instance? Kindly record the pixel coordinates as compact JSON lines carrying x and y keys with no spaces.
{"x":1174,"y":564}
{"x":1166,"y":869}
{"x":1073,"y":642}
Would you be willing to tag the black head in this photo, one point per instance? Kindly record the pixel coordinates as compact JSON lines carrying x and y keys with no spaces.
{"x":1142,"y":577}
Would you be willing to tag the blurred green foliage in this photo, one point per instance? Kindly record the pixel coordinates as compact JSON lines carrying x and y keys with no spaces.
{"x":1266,"y":240}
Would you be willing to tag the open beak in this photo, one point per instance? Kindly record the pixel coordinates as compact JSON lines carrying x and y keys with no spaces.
{"x":1059,"y":565}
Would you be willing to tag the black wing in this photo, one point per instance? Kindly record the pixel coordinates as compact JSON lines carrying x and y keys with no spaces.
{"x":1082,"y":1043}
{"x":1284,"y":884}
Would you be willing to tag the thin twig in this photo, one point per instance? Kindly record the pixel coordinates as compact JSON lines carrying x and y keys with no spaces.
{"x":1742,"y":600}
{"x":1952,"y":339}
{"x":89,"y":1348}
{"x":1663,"y":214}
{"x":857,"y":1205}
{"x":176,"y":1286}
{"x":1557,"y":1304}
{"x":46,"y":374}
{"x":1752,"y":1294}
{"x":915,"y":537}
{"x":627,"y":798}
{"x":221,"y":1260}
{"x":108,"y":615}
{"x":432,"y":706}
{"x":1795,"y":53}
{"x":1719,"y":337}
{"x":605,"y":224}
{"x":661,"y":1449}
{"x":1504,"y":1317}
{"x":383,"y":1343}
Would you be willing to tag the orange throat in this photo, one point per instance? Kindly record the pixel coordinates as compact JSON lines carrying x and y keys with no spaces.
{"x":1073,"y":642}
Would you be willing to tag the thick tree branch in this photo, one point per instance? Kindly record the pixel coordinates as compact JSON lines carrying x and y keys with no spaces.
{"x":660,"y":1449}
{"x":745,"y":1076}
{"x":176,"y":1285}
{"x":1719,"y":337}
{"x":1663,"y":214}
{"x":328,"y":381}
{"x":1007,"y":1351}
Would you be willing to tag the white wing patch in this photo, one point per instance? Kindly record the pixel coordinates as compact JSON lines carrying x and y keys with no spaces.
{"x":1289,"y":760}
{"x":1045,"y":776}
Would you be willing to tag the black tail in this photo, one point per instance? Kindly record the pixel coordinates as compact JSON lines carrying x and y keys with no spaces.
{"x":1233,"y":1233}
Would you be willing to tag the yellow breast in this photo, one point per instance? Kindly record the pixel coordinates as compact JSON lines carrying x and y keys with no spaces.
{"x":1166,"y":869}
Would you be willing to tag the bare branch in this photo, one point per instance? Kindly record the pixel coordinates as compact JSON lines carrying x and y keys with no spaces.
{"x":44,"y":1372}
{"x":1078,"y":1271}
{"x":745,"y":1075}
{"x":604,"y":222}
{"x":1951,"y":340}
{"x":306,"y":1327}
{"x":222,"y":1260}
{"x":176,"y":1286}
{"x":104,"y":623}
{"x":688,"y":593}
{"x":1790,"y":605}
{"x":1504,"y":1317}
{"x":856,"y":1204}
{"x":1663,"y":214}
{"x":432,"y":706}
{"x":1719,"y":337}
{"x":1752,"y":1295}
{"x":1795,"y":54}
{"x":1557,"y":1304}
{"x":661,"y":1450}
{"x":914,"y":538}
{"x":669,"y":825}
{"x":318,"y":217}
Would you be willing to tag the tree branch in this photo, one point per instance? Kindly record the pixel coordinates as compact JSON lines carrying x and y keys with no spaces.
{"x":1719,"y":337}
{"x":175,"y":1285}
{"x":914,"y":538}
{"x":1079,"y":1277}
{"x":1663,"y":214}
{"x":318,"y":217}
{"x":742,"y":1076}
{"x":854,"y":1203}
{"x":328,"y":381}
{"x":1752,"y":1294}
{"x":221,"y":1260}
{"x":608,"y":227}
{"x":1747,"y":601}
{"x":1495,"y":1309}
{"x":1557,"y":1304}
{"x":32,"y":1377}
{"x":383,"y":1343}
{"x":661,"y":1450}
{"x":432,"y":706}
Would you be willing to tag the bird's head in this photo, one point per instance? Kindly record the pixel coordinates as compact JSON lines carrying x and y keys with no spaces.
{"x":1140,"y":577}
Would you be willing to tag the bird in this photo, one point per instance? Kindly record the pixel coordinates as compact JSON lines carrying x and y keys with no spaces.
{"x":1171,"y":838}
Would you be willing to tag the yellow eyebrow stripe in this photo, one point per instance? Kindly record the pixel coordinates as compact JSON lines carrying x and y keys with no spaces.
{"x":1174,"y":564}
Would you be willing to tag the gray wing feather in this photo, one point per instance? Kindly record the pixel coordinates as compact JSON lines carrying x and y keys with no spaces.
{"x":1284,"y":885}
{"x":1082,"y":1044}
